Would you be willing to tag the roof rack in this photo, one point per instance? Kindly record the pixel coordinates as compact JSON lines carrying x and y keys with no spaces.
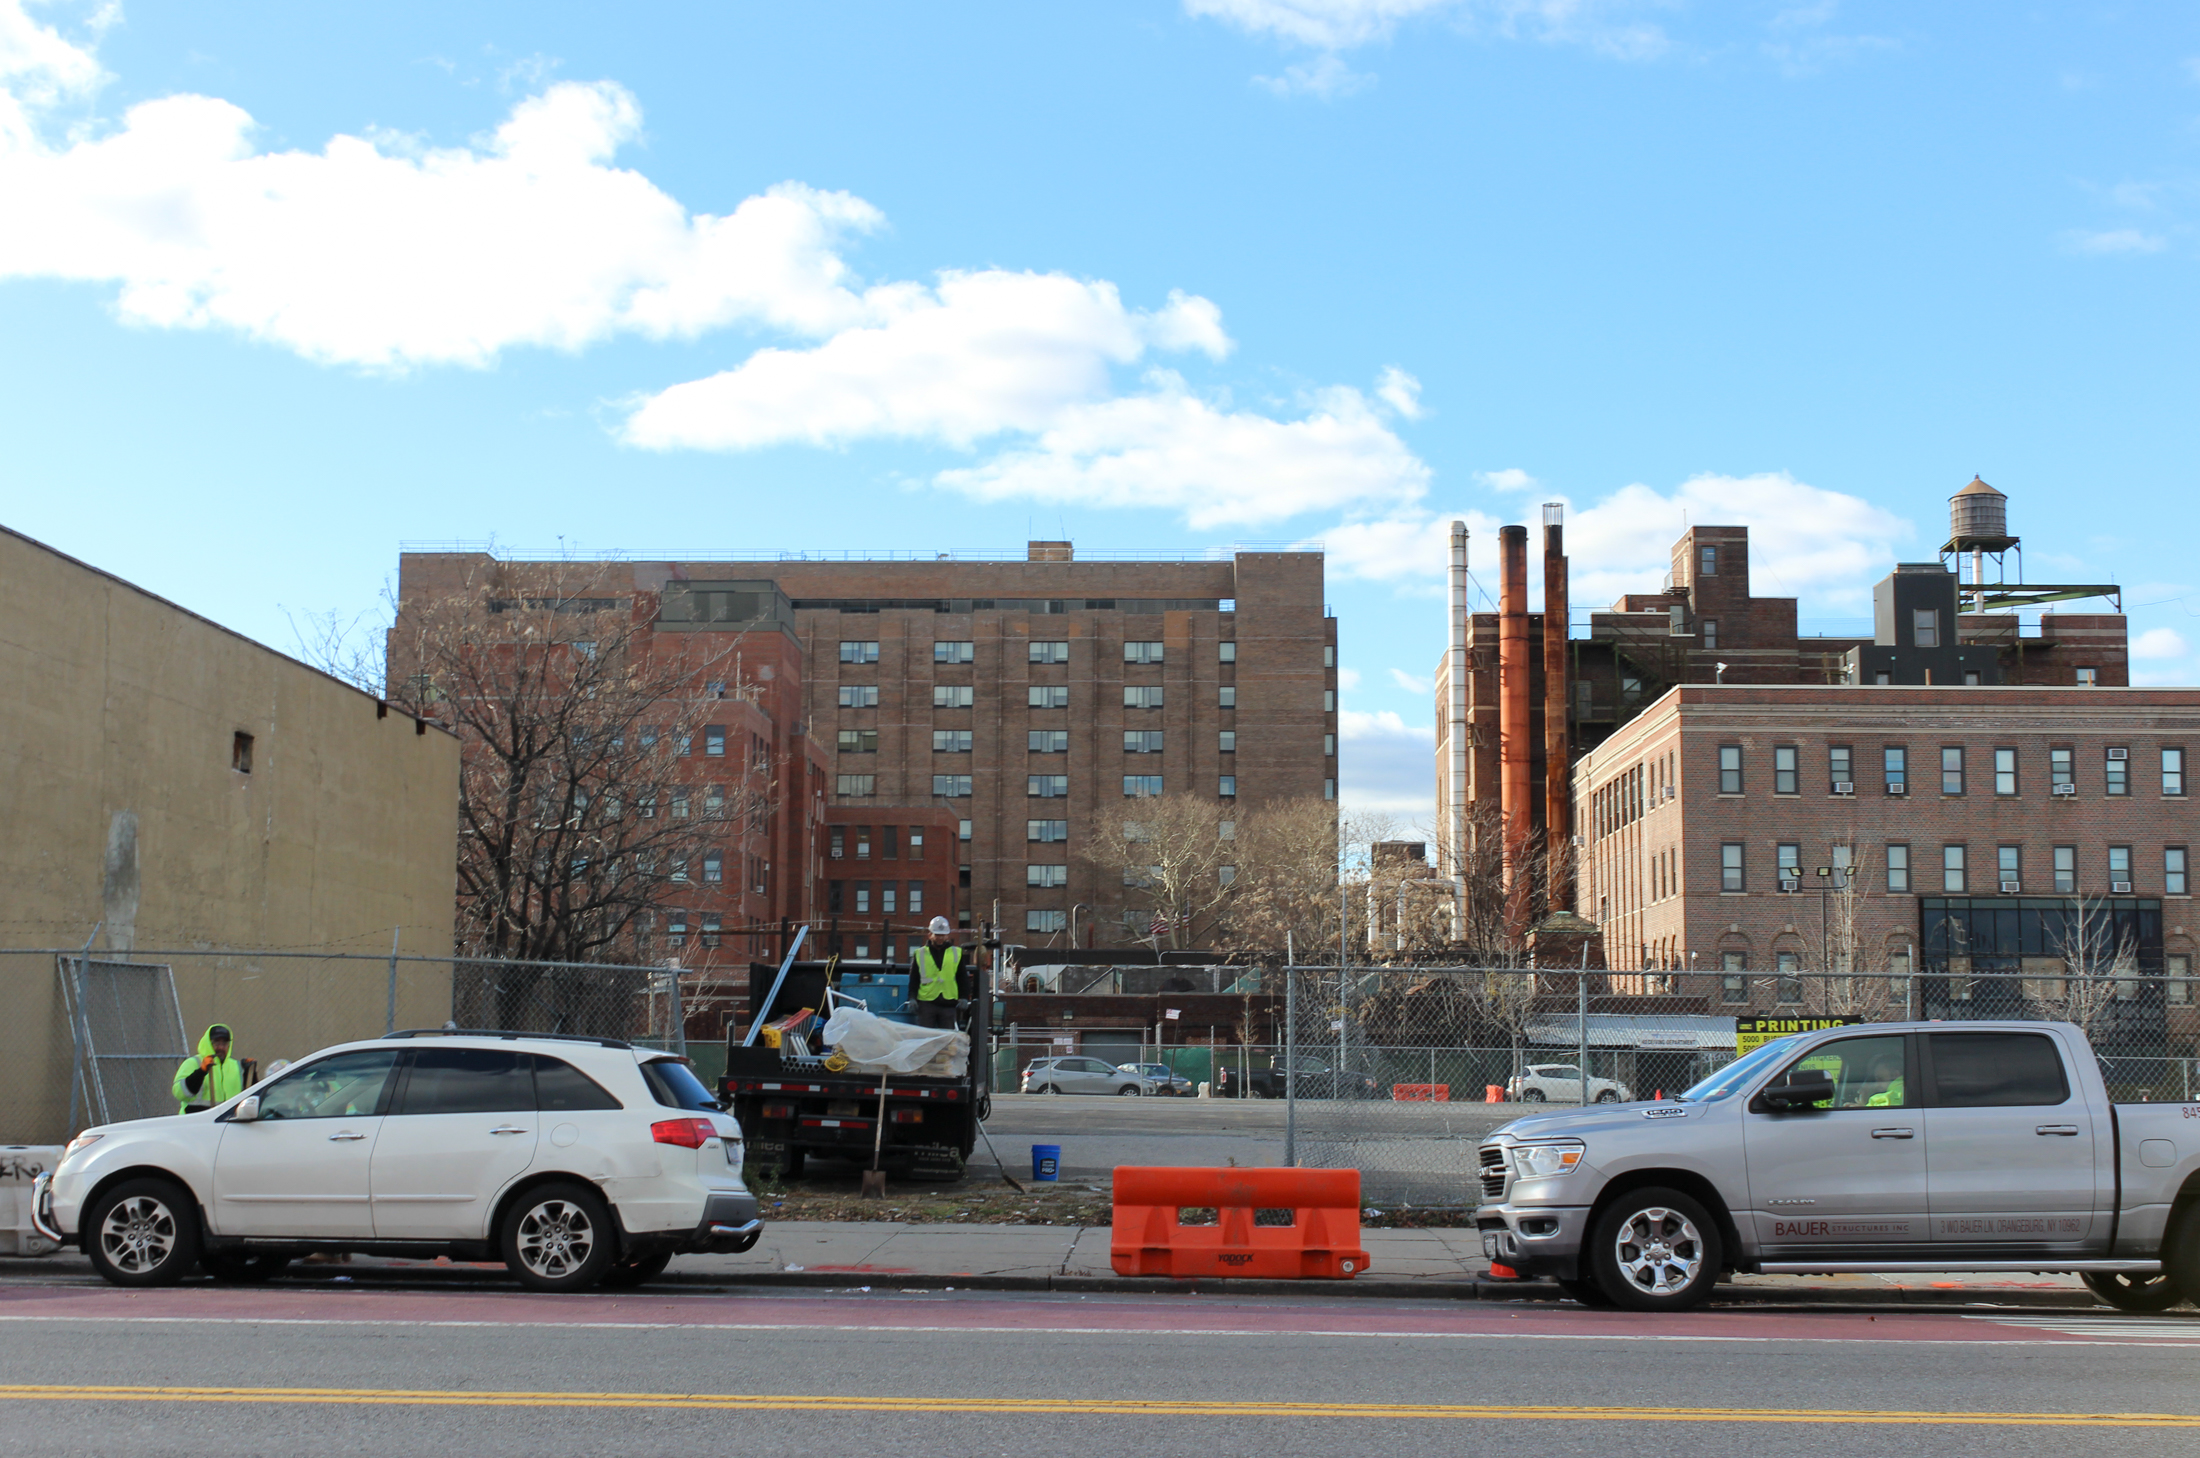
{"x":507,"y":1035}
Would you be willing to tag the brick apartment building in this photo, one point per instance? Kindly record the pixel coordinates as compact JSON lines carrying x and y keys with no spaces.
{"x":1971,"y":821}
{"x":1009,"y":700}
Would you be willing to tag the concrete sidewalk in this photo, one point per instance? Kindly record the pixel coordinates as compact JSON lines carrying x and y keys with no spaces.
{"x":1408,"y":1264}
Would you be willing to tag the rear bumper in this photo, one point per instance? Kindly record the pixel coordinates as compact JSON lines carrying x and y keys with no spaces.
{"x":1535,"y":1240}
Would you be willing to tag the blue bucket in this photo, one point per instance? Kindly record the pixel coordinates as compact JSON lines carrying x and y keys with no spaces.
{"x":1046,"y":1161}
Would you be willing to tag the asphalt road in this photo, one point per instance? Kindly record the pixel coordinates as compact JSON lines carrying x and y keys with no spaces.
{"x":478,"y":1369}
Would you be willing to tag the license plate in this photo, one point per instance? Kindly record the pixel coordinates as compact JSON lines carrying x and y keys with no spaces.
{"x":844,"y":1109}
{"x":1489,"y":1245}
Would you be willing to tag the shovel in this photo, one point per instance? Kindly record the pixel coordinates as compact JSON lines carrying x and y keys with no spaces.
{"x":874,"y":1178}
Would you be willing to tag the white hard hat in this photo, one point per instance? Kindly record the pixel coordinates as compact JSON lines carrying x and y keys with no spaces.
{"x":940,"y":928}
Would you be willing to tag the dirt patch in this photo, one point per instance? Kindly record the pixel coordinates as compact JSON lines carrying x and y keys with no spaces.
{"x":965,"y":1203}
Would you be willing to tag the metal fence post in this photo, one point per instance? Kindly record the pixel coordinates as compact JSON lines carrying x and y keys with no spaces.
{"x":1290,"y":1055}
{"x":389,"y":1019}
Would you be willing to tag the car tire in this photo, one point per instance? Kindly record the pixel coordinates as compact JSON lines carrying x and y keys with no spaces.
{"x":1531,"y":1096}
{"x":1052,"y":1088}
{"x":1655,"y":1249}
{"x":2137,"y":1293}
{"x":559,"y":1237}
{"x":143,"y":1232}
{"x":242,"y":1268}
{"x":2181,"y":1251}
{"x":1609,"y":1096}
{"x":1128,"y":1091}
{"x":626,"y":1275}
{"x":1583,"y":1293}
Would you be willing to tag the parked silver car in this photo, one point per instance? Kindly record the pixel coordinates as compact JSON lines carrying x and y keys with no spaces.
{"x":1083,"y":1076}
{"x":1163,"y":1079}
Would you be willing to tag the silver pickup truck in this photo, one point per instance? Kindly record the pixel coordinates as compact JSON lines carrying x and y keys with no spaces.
{"x":1982,"y":1146}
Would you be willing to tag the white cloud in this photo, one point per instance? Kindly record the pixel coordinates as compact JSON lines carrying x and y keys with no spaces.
{"x":1409,"y":683}
{"x":2159,"y":643}
{"x":1385,"y":764}
{"x":1348,"y":679}
{"x":2117,"y":240}
{"x":1400,"y":391}
{"x":1328,"y":24}
{"x":1512,"y":478}
{"x":1605,"y":26}
{"x":1326,"y":76}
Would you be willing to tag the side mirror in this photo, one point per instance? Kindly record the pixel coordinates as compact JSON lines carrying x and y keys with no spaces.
{"x":1802,"y":1089}
{"x":247,"y":1110}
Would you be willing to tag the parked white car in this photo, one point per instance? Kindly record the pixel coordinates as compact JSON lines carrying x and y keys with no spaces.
{"x":1560,"y":1083}
{"x":572,"y":1160}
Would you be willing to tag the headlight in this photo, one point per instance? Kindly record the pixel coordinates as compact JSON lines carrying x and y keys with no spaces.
{"x":1541,"y":1161}
{"x":79,"y":1144}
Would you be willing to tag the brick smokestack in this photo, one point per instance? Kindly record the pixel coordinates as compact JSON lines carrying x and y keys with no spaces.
{"x":1557,"y":755}
{"x":1514,"y":664}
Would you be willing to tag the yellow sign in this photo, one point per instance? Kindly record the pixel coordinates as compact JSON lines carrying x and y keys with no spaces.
{"x":1752,"y":1033}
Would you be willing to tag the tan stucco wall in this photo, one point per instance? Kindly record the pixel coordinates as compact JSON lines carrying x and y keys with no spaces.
{"x":115,"y":704}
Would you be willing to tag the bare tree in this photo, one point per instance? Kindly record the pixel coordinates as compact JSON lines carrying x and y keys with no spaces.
{"x":2100,"y":966}
{"x":1290,"y":887}
{"x":1845,"y":987}
{"x":1174,"y":854}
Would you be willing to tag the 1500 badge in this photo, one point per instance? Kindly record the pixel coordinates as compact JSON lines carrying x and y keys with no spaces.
{"x":1666,"y":1111}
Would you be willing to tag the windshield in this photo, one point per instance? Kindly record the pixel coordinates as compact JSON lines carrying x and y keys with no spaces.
{"x":1723,"y":1083}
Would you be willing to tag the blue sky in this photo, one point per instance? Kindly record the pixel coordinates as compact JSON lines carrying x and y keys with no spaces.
{"x":283,"y":286}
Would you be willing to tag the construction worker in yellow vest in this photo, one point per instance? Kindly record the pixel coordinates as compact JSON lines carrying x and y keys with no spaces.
{"x":211,"y":1076}
{"x":941,"y":973}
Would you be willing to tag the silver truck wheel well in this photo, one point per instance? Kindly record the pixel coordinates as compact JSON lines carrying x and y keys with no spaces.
{"x":1689,"y":1183}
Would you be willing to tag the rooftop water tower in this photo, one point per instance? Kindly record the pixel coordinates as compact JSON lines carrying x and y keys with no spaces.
{"x":1978,"y":526}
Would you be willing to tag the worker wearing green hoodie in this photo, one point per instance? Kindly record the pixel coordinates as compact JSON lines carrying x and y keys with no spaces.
{"x":210,"y":1076}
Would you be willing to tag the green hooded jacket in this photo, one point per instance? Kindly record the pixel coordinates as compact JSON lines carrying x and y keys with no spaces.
{"x":224,"y":1076}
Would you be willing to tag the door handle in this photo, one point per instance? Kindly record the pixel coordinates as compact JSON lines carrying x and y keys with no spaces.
{"x":507,"y":1129}
{"x":1894,"y":1133}
{"x":2056,"y":1129}
{"x":345,"y":1135}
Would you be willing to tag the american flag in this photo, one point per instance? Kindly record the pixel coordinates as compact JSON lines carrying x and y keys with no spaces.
{"x":1161,"y":923}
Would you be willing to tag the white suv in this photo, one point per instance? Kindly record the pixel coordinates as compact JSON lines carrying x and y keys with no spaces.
{"x":572,"y":1160}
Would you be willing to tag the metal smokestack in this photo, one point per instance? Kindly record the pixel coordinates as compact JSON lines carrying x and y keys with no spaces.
{"x":1557,"y":755}
{"x":1455,"y":743}
{"x":1513,"y":747}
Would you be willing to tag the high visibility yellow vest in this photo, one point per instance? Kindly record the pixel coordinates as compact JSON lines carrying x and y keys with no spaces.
{"x":937,"y":980}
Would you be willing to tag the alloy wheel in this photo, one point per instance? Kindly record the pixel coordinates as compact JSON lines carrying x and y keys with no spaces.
{"x":555,"y":1239}
{"x":138,"y":1235}
{"x":1658,"y":1251}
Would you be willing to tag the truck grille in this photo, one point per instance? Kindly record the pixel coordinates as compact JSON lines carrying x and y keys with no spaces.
{"x":1493,"y":1172}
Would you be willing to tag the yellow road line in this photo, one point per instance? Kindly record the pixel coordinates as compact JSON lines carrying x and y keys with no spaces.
{"x":1082,"y":1407}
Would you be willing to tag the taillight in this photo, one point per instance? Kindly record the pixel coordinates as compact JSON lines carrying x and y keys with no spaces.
{"x":687,"y":1133}
{"x":777,"y":1111}
{"x":906,"y":1116}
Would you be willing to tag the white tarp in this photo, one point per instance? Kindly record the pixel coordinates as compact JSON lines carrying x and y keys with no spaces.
{"x":880,"y":1043}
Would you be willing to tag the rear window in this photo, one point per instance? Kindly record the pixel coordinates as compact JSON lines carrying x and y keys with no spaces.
{"x":1996,"y":1070}
{"x":562,"y":1088}
{"x":676,"y":1087}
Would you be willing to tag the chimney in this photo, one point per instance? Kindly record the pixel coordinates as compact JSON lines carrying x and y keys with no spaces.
{"x":1455,"y":744}
{"x":1557,"y":753}
{"x":1513,"y":749}
{"x":1048,"y":552}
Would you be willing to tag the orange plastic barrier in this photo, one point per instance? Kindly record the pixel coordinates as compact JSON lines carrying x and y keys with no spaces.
{"x":1322,"y":1241}
{"x":1420,"y":1093}
{"x":1493,"y":1093}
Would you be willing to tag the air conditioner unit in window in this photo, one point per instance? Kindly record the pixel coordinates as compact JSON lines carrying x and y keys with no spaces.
{"x":2119,"y":754}
{"x":1898,"y":788}
{"x":1790,"y":883}
{"x":1844,"y":787}
{"x":2008,"y":888}
{"x":2119,"y":888}
{"x":2066,"y":789}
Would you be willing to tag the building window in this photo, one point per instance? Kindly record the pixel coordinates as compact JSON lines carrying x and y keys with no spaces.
{"x":1049,"y":697}
{"x":714,"y":741}
{"x":2062,"y":772}
{"x":839,"y":837}
{"x":1329,"y":746}
{"x":714,"y":802}
{"x":2173,"y":870}
{"x":1142,"y":652}
{"x":1047,"y":741}
{"x":1710,"y":629}
{"x":680,"y":870}
{"x":916,"y":842}
{"x":1226,"y":697}
{"x":858,"y":741}
{"x":1898,"y":868}
{"x":916,"y":898}
{"x":1140,"y":786}
{"x":1730,"y":867}
{"x":954,"y":652}
{"x":1147,"y":697}
{"x":1951,"y":769}
{"x":2177,"y":979}
{"x":1049,"y":651}
{"x":2066,"y":870}
{"x":1785,"y":780}
{"x":1047,"y":832}
{"x":1951,"y":868}
{"x":1329,"y":701}
{"x":953,"y":696}
{"x":859,"y":653}
{"x":679,"y":802}
{"x":859,"y":696}
{"x":1791,"y":867}
{"x":240,"y":752}
{"x":1228,"y":788}
{"x":1046,"y":875}
{"x":1228,"y":741}
{"x":1925,"y":628}
{"x":863,"y":896}
{"x":676,"y":928}
{"x":1840,"y":769}
{"x":714,"y":869}
{"x":1329,"y":789}
{"x":1707,"y":561}
{"x":2119,"y":870}
{"x":2173,"y":772}
{"x":849,"y":786}
{"x":2089,"y":678}
{"x":1788,"y":988}
{"x":889,"y":842}
{"x":1896,"y":760}
{"x":951,"y":787}
{"x":863,"y":842}
{"x":2005,"y":771}
{"x":2118,"y":765}
{"x":1047,"y":787}
{"x":1329,"y":655}
{"x":1046,"y":921}
{"x":1730,"y":769}
{"x":1227,"y":875}
{"x":2009,"y":868}
{"x":951,"y":741}
{"x":1141,"y":741}
{"x":962,"y":829}
{"x":684,"y":746}
{"x":1226,"y":651}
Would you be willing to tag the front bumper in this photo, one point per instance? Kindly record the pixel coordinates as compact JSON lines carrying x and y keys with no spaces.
{"x":1535,"y":1240}
{"x":42,"y":1212}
